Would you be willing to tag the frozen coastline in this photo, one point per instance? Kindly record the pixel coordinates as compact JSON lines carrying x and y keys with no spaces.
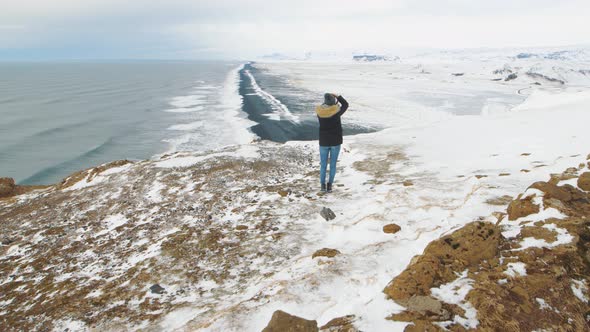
{"x":250,"y":213}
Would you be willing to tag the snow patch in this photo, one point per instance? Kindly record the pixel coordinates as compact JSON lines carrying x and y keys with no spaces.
{"x":455,"y":293}
{"x":580,"y":290}
{"x":516,"y":269}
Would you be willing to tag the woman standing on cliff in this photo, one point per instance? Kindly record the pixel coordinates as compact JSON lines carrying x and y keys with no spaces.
{"x":329,"y":114}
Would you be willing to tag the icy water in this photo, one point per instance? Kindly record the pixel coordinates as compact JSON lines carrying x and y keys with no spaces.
{"x":58,"y":118}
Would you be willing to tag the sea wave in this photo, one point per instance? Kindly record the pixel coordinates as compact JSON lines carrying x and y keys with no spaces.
{"x":282,"y":110}
{"x":72,"y":164}
{"x":185,"y":109}
{"x":188,"y":101}
{"x":215,"y":115}
{"x":187,"y":126}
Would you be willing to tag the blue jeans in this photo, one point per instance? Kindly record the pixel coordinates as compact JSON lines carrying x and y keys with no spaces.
{"x":333,"y":152}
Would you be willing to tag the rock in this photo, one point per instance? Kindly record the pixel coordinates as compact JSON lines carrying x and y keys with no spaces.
{"x":408,"y":183}
{"x":340,"y":324}
{"x":423,"y":326}
{"x":7,"y":186}
{"x":479,"y":176}
{"x":521,"y":208}
{"x":511,"y":77}
{"x":524,"y":170}
{"x":458,"y":74}
{"x":325,"y":252}
{"x":552,"y":191}
{"x":540,"y":233}
{"x":570,"y":173}
{"x":472,"y":243}
{"x":283,"y":322}
{"x":504,"y":174}
{"x":7,"y":241}
{"x":425,"y":305}
{"x":584,"y":181}
{"x":327,"y":214}
{"x":157,"y":289}
{"x":283,"y":193}
{"x":241,"y":227}
{"x":525,"y":154}
{"x":391,"y":228}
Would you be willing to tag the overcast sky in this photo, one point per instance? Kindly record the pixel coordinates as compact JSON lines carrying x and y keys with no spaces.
{"x":187,"y":29}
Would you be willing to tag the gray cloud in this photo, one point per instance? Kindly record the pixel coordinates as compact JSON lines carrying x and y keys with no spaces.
{"x":188,"y":28}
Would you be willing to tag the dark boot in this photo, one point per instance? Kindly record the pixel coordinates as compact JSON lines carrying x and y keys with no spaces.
{"x":323,"y":187}
{"x":329,"y":187}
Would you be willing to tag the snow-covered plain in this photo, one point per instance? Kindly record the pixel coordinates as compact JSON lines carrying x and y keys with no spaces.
{"x":462,"y":140}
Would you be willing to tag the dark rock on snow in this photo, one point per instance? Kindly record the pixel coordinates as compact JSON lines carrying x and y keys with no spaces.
{"x":157,"y":289}
{"x":327,"y":214}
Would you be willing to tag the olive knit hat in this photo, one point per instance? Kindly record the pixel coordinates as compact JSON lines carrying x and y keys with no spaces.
{"x":329,"y":99}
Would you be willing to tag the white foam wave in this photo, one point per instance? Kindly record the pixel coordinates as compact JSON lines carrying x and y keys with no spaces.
{"x":188,"y":101}
{"x":207,"y":87}
{"x":221,"y":121}
{"x":185,"y":109}
{"x":275,"y":104}
{"x":187,"y":126}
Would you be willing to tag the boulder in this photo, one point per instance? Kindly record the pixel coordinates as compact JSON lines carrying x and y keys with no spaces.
{"x":327,"y":214}
{"x":584,"y":181}
{"x":283,"y":322}
{"x":7,"y":187}
{"x":511,"y":77}
{"x":408,"y":183}
{"x":391,"y":228}
{"x":521,"y":208}
{"x":325,"y":252}
{"x":157,"y":289}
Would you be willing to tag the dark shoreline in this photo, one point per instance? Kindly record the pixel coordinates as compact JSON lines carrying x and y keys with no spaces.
{"x":282,"y":131}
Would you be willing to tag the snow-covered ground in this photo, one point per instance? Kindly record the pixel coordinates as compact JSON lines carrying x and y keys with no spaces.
{"x":453,"y":144}
{"x":461,"y":140}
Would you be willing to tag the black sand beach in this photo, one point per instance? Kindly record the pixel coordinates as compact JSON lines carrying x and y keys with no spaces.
{"x":299,"y":102}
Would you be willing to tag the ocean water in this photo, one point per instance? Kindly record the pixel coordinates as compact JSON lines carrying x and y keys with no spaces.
{"x":58,"y":118}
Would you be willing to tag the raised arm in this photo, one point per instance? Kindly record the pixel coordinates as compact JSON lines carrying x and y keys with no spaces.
{"x":344,"y":105}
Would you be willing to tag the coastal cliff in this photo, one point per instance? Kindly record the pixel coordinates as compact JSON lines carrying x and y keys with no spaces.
{"x":184,"y":240}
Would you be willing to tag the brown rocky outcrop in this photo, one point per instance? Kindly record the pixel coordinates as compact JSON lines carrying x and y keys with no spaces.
{"x":391,"y":228}
{"x":455,"y":252}
{"x":521,"y":208}
{"x":283,"y":322}
{"x":325,"y":252}
{"x":547,"y":291}
{"x":7,"y":186}
{"x":584,"y":181}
